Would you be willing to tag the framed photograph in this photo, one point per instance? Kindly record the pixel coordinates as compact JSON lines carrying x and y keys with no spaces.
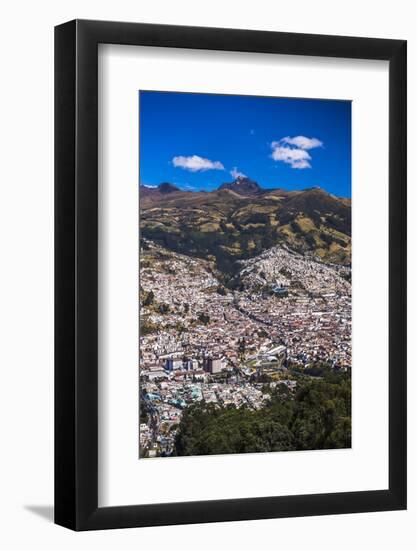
{"x":230,"y":235}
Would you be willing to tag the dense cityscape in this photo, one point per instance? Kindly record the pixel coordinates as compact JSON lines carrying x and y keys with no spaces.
{"x":233,"y":346}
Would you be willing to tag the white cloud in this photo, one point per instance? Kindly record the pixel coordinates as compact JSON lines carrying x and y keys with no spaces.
{"x":195,"y":163}
{"x":293,"y":151}
{"x":236,"y":174}
{"x":297,"y":158}
{"x":302,"y":142}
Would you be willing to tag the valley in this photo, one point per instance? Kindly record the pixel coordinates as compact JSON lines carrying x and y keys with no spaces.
{"x":241,"y":293}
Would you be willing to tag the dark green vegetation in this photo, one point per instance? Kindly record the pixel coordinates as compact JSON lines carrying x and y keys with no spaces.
{"x":317,"y":416}
{"x":241,"y":221}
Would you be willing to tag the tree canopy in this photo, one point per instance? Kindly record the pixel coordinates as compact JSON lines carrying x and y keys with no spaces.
{"x":317,"y":416}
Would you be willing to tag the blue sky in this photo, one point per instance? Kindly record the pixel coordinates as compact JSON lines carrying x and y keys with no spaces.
{"x":198,"y":141}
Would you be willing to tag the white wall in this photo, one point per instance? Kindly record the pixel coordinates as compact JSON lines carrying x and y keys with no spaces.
{"x":26,"y":300}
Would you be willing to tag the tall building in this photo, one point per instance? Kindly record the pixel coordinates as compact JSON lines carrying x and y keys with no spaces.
{"x":213,"y":365}
{"x":169,"y":364}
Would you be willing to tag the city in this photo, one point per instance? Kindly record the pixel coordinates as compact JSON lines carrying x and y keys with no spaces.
{"x":203,"y":342}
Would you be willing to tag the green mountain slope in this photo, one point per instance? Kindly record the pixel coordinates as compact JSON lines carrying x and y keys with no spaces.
{"x":226,"y":225}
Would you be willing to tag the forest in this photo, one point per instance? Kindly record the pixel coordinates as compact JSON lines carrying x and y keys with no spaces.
{"x":317,"y":415}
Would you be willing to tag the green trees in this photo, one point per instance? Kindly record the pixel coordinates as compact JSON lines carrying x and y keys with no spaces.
{"x":241,"y":348}
{"x":207,"y":430}
{"x":204,"y":318}
{"x":163,"y":308}
{"x":143,"y":413}
{"x":318,"y":416}
{"x":146,"y":327}
{"x":148,"y":298}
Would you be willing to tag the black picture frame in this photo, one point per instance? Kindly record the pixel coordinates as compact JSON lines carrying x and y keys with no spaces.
{"x":76,"y":272}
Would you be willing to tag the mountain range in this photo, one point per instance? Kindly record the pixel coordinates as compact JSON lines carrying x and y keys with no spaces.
{"x":240,"y":220}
